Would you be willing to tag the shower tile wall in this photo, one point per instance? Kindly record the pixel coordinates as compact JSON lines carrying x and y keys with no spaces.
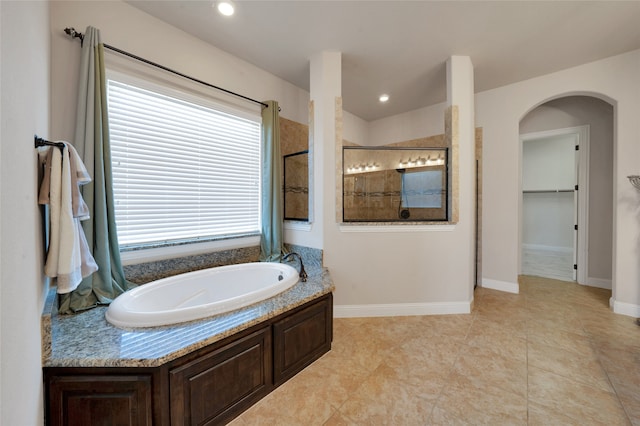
{"x":372,"y":196}
{"x":294,"y":137}
{"x":375,"y":195}
{"x":296,"y":187}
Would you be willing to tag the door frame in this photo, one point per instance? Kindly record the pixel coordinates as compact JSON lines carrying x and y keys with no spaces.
{"x":582,"y":205}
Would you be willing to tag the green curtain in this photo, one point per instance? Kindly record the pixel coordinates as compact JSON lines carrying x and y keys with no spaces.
{"x":92,"y":143}
{"x":272,"y":234}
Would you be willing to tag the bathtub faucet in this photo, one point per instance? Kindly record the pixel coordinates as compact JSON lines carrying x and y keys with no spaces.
{"x":303,"y":273}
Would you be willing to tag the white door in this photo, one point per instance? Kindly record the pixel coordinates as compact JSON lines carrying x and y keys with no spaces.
{"x":576,"y":204}
{"x":550,"y":205}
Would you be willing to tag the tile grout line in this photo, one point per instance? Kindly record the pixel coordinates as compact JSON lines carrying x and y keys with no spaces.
{"x":453,"y":365}
{"x":594,"y":347}
{"x":578,"y":308}
{"x":545,"y":308}
{"x":360,"y":384}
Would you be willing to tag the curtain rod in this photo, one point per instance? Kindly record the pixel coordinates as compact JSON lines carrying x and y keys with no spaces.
{"x":38,"y":141}
{"x":74,"y":34}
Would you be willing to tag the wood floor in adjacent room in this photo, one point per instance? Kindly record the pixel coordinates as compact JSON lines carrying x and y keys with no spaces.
{"x":552,"y":355}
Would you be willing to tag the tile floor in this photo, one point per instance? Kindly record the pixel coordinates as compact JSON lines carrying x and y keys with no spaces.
{"x":552,"y":355}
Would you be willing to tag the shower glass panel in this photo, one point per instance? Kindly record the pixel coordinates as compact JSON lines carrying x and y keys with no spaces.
{"x":296,"y":186}
{"x":395,"y":184}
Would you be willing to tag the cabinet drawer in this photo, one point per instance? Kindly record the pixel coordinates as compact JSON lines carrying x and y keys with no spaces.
{"x":222,"y":383}
{"x":301,"y":338}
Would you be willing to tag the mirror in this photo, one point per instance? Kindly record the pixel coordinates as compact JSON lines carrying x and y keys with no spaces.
{"x":296,"y":186}
{"x":395,"y":184}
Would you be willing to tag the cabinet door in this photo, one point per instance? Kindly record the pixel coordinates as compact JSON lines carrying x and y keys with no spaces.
{"x":99,"y":400}
{"x":221,"y":384}
{"x":301,"y":338}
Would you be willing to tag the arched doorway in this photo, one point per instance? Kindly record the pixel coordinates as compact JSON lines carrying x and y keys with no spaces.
{"x":593,"y":208}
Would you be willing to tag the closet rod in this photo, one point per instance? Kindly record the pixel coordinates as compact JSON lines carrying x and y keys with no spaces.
{"x":543,"y":191}
{"x":75,"y":34}
{"x":43,"y":142}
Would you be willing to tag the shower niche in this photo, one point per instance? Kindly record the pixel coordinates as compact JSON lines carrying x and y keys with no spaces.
{"x":394,"y":184}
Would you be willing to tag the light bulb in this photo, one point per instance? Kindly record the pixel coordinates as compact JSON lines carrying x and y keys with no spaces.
{"x":226,"y":8}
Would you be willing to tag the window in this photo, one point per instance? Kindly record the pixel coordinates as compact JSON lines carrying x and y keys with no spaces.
{"x":184,"y":169}
{"x":422,"y":189}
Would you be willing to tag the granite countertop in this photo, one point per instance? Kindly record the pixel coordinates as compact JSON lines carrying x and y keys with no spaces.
{"x":88,"y":340}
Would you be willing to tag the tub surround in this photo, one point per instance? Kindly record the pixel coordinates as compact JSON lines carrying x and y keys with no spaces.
{"x":200,"y":294}
{"x":143,"y":273}
{"x":210,"y":382}
{"x":205,"y":371}
{"x":87,"y":340}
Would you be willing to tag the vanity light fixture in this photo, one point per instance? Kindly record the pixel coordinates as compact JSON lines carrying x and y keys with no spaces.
{"x":362,"y":168}
{"x":429,"y":161}
{"x":225,"y":7}
{"x":384,"y":98}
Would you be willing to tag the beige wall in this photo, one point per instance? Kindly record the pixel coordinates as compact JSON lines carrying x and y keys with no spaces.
{"x":157,"y":41}
{"x":24,"y":88}
{"x":409,"y":269}
{"x":499,"y":111}
{"x":38,"y":71}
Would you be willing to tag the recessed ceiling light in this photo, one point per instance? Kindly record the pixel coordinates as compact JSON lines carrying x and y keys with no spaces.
{"x":384,"y":98}
{"x":225,"y":7}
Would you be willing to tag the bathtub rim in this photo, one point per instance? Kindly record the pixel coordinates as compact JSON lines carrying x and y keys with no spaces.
{"x":134,"y":320}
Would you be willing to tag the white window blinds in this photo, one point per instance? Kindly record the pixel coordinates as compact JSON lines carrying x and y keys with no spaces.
{"x":181,"y":170}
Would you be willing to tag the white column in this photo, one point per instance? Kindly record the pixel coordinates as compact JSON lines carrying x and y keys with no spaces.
{"x":326,"y":87}
{"x":460,"y":93}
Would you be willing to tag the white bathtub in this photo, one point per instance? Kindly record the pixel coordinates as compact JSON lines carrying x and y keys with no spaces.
{"x":200,"y":294}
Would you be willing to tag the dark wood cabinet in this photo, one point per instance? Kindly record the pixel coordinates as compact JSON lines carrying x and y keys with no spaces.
{"x":301,"y":338}
{"x":209,"y":386}
{"x":100,"y":400}
{"x":209,"y":389}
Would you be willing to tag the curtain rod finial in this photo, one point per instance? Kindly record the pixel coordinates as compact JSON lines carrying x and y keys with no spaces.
{"x":73,"y":33}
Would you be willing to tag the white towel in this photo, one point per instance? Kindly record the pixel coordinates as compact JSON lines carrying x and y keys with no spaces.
{"x":79,"y":176}
{"x":68,"y":258}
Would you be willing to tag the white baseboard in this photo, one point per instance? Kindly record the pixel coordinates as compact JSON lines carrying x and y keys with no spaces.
{"x":623,"y":308}
{"x":401,"y":309}
{"x":501,"y":285}
{"x":599,"y":282}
